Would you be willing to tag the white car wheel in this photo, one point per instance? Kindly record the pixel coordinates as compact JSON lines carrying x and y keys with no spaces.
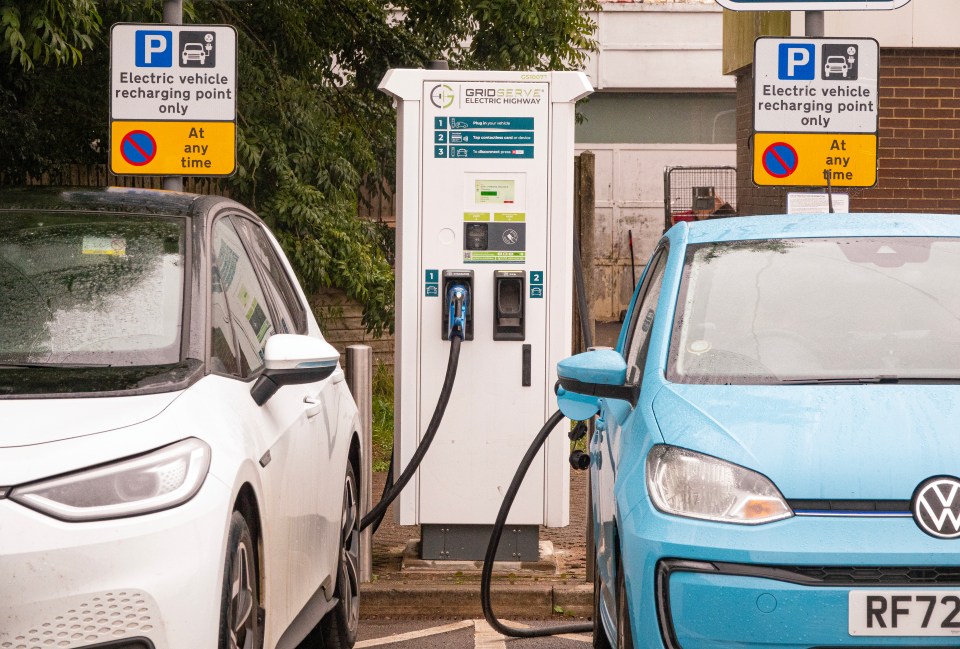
{"x":240,"y":604}
{"x":340,"y":625}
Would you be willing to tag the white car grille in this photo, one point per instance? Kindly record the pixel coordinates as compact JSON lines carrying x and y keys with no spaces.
{"x":92,"y":619}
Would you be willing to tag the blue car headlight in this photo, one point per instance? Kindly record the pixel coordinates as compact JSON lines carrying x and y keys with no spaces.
{"x":151,"y":482}
{"x":687,"y":483}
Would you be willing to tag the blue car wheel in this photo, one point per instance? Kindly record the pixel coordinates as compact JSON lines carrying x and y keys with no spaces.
{"x":624,"y":633}
{"x":600,"y":640}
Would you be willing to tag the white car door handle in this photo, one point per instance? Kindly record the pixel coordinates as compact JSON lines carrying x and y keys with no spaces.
{"x":315,"y":406}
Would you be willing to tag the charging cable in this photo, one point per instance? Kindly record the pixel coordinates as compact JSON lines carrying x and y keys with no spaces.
{"x":487,"y":574}
{"x":459,"y":300}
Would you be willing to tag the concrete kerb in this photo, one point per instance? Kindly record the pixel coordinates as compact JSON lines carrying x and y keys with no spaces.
{"x":461,"y":601}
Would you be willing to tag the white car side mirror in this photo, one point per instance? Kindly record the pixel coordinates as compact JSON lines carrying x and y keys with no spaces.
{"x":291,"y":359}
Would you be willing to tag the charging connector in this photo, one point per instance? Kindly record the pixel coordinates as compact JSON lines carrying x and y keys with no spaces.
{"x":457,"y":310}
{"x":458,"y":297}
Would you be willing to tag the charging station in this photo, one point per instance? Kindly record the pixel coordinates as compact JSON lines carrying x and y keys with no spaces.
{"x":484,"y":219}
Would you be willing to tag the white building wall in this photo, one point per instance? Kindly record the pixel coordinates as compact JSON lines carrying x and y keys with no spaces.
{"x":659,"y":46}
{"x":919,"y":23}
{"x":656,"y":48}
{"x":629,"y":197}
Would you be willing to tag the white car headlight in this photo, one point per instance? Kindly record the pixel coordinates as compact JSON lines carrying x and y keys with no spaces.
{"x":157,"y":480}
{"x":686,"y":483}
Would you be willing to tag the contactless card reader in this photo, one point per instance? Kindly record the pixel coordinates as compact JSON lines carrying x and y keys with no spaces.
{"x":508,"y":301}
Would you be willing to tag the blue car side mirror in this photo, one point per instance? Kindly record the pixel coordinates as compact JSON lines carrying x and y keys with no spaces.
{"x":590,"y":376}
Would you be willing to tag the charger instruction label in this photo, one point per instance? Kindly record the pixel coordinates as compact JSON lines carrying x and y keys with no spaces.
{"x":536,"y":284}
{"x":459,"y":137}
{"x":431,"y":283}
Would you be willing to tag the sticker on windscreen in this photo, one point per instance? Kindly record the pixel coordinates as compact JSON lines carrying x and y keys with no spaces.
{"x":258,"y":321}
{"x":226,"y":264}
{"x":104,"y":246}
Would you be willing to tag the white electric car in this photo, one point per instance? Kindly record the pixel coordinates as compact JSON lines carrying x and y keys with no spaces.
{"x":178,"y":448}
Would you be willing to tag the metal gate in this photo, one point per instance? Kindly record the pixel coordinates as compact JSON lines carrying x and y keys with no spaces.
{"x":697,"y":193}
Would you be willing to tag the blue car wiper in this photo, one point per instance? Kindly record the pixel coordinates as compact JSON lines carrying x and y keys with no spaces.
{"x":883,"y":378}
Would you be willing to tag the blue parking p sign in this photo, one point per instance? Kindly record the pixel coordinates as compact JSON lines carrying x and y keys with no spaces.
{"x":797,"y":61}
{"x":154,"y":48}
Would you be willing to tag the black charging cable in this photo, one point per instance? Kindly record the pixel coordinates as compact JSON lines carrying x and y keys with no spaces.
{"x":375,"y":515}
{"x":487,"y":574}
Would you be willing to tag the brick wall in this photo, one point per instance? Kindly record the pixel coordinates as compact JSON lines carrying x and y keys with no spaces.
{"x":919,"y":145}
{"x":750,"y":198}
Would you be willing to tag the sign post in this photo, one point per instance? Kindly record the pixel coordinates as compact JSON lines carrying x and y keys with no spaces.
{"x":173,"y":102}
{"x":815,"y":111}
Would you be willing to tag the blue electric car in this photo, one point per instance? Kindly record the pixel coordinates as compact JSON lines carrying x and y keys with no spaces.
{"x":777,"y":444}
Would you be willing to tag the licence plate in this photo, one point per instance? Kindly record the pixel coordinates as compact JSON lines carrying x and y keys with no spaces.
{"x":904,"y":613}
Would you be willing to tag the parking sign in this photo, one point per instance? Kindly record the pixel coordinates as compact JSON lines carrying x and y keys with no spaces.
{"x":173,"y":102}
{"x":816,"y":85}
{"x":815,"y":111}
{"x":154,"y":48}
{"x":797,"y":61}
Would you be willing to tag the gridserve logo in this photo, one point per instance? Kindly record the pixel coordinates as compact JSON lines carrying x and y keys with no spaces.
{"x":442,"y":96}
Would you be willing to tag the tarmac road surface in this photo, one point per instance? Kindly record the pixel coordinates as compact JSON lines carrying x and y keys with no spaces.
{"x":463,"y":634}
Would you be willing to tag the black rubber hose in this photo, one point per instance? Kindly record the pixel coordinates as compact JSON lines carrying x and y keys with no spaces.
{"x":487,"y":574}
{"x":376,"y":514}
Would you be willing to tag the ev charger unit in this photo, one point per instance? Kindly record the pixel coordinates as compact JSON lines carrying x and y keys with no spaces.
{"x":484,"y":201}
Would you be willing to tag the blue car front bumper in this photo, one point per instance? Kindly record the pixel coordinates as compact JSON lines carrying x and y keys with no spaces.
{"x":700,"y":585}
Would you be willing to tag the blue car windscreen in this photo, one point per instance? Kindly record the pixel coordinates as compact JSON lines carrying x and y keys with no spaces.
{"x":858,"y":310}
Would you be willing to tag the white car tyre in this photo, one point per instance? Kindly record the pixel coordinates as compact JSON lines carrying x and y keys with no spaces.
{"x":240,"y":602}
{"x":339,"y":626}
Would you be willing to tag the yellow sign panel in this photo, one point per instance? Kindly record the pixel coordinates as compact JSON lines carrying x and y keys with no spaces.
{"x":805,"y":159}
{"x":173,"y":148}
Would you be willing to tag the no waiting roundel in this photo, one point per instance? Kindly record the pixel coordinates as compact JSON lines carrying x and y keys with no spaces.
{"x":138,"y":148}
{"x":780,"y":160}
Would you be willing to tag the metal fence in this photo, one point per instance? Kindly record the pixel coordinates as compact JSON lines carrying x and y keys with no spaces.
{"x":697,"y":193}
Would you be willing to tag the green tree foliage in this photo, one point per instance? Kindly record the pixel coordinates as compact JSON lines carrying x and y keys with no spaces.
{"x":44,"y":32}
{"x":313,"y":128}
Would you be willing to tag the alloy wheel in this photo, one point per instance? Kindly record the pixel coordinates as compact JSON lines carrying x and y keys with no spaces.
{"x":241,"y":620}
{"x":348,"y":583}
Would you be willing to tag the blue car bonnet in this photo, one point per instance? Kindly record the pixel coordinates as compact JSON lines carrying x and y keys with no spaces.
{"x":820,"y":441}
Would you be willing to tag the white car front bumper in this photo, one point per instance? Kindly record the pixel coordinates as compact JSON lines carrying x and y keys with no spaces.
{"x":156,"y":576}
